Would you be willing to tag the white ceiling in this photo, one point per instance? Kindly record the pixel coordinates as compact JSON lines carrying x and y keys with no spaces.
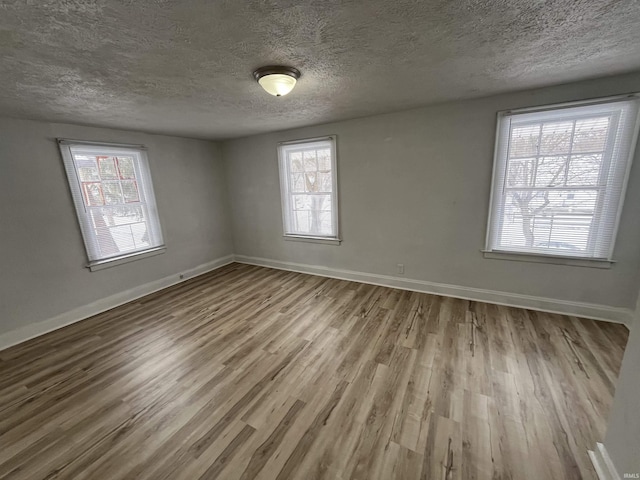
{"x":184,"y":67}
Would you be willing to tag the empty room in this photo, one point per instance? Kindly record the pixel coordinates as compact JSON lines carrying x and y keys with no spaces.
{"x":316,"y":239}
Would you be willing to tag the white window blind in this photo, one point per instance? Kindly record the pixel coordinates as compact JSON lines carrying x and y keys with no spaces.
{"x":113,"y":195}
{"x":309,"y":188}
{"x":559,"y":178}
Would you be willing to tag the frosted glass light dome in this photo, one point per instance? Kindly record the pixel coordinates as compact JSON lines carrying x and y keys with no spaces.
{"x":277,"y":84}
{"x":277,"y":80}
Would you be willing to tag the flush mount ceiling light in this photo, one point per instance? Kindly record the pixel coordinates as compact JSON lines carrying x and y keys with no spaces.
{"x":277,"y":80}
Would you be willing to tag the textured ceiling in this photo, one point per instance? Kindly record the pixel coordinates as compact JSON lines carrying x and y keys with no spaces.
{"x":184,"y":67}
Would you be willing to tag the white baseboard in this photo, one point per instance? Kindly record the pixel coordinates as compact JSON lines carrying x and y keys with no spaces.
{"x":33,"y":330}
{"x":603,"y":464}
{"x":586,"y":310}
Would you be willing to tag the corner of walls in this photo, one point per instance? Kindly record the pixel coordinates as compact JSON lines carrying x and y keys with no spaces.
{"x":226,"y":195}
{"x":33,"y":330}
{"x":196,"y":227}
{"x":402,"y":154}
{"x":224,"y":146}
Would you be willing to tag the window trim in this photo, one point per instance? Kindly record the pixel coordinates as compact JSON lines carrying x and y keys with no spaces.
{"x":312,"y":239}
{"x":112,"y":262}
{"x":65,"y":146}
{"x":547,"y":258}
{"x":285,"y":195}
{"x":540,"y":257}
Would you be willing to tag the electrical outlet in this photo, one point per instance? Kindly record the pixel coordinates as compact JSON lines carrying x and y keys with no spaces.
{"x":401,"y":268}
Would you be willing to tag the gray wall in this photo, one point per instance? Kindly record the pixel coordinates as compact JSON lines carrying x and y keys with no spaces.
{"x":41,"y":251}
{"x":414,"y":189}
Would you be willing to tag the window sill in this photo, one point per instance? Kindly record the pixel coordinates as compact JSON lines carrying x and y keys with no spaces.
{"x":551,"y":259}
{"x":323,"y":240}
{"x":112,"y":262}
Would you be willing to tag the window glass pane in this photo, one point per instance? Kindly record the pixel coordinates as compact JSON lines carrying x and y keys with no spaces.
{"x":584,"y":170}
{"x":550,"y":171}
{"x":325,"y":182}
{"x":140,"y":234}
{"x":310,"y":163}
{"x":324,"y":160}
{"x":524,"y":141}
{"x":581,"y":202}
{"x":562,"y":234}
{"x":120,"y":229}
{"x":311,"y":181}
{"x":312,"y":202}
{"x":591,"y":135}
{"x":130,"y":191}
{"x":521,"y":172}
{"x":301,"y":202}
{"x":118,"y":215}
{"x":556,"y":138}
{"x":313,"y":214}
{"x":326,"y":227}
{"x":112,"y":193}
{"x":297,"y":182}
{"x":126,"y":168}
{"x":107,"y":245}
{"x":107,"y":168}
{"x":92,"y":194}
{"x":303,"y":221}
{"x":87,"y":169}
{"x":123,"y":237}
{"x":551,"y":202}
{"x":323,"y":203}
{"x":295,"y":159}
{"x":568,"y":235}
{"x":534,"y":219}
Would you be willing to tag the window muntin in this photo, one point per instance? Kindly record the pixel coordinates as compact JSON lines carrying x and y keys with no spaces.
{"x":113,"y":194}
{"x":309,"y":188}
{"x":559,"y":178}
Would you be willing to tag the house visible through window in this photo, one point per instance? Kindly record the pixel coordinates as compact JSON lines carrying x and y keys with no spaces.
{"x":309,"y":188}
{"x":112,"y":190}
{"x":559,"y":178}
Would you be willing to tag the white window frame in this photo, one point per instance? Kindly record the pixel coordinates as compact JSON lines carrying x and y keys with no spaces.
{"x":285,"y":192}
{"x":500,"y":162}
{"x":145,"y":189}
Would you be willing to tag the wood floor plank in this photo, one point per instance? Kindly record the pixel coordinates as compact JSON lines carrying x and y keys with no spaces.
{"x":249,"y":372}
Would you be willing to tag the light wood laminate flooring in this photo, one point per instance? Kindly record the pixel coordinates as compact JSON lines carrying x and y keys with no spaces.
{"x":255,"y":373}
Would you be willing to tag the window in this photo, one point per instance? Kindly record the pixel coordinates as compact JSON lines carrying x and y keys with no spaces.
{"x":309,"y":188}
{"x":559,"y":178}
{"x":112,"y":191}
